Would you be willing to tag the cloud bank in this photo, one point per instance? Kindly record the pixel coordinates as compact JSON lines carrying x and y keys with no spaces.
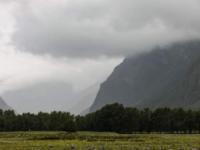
{"x":94,"y":28}
{"x":87,"y":35}
{"x":79,"y":42}
{"x":20,"y":69}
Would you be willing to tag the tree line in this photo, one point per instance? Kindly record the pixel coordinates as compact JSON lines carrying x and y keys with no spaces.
{"x":113,"y":117}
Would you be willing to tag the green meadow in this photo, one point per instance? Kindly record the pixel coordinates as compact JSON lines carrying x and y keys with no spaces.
{"x":97,"y":141}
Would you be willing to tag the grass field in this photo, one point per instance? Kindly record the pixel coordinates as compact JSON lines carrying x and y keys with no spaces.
{"x":96,"y":141}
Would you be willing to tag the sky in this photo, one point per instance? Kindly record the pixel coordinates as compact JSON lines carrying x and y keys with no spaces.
{"x":79,"y":42}
{"x":23,"y":67}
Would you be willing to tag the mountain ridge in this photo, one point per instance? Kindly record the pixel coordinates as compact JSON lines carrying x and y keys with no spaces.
{"x":151,"y":79}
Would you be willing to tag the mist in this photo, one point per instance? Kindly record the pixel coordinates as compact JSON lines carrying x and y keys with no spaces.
{"x":80,"y":42}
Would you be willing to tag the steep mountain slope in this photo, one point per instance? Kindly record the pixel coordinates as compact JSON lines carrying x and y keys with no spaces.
{"x":3,"y":105}
{"x":84,"y":100}
{"x":186,"y":92}
{"x":162,"y":77}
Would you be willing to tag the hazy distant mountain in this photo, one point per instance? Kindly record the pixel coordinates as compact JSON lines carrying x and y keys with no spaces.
{"x":84,"y":100}
{"x":168,"y":76}
{"x":45,"y":96}
{"x":3,"y":105}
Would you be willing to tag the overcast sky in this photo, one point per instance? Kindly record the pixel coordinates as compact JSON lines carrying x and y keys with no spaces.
{"x":81,"y":41}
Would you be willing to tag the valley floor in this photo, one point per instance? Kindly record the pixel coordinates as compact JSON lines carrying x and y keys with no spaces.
{"x":97,"y":141}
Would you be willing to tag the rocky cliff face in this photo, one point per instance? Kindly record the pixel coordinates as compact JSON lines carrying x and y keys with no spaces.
{"x":168,"y":76}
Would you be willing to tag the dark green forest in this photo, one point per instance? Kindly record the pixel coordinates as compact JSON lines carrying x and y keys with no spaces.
{"x":112,"y":118}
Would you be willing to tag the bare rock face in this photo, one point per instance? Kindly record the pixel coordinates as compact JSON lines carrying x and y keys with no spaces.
{"x":164,"y":77}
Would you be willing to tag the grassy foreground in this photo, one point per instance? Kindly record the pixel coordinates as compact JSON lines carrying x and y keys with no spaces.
{"x":96,"y":141}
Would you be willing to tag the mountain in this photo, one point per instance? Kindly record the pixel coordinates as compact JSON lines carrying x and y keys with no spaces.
{"x":165,"y":76}
{"x":3,"y":105}
{"x":84,"y":99}
{"x":43,"y":96}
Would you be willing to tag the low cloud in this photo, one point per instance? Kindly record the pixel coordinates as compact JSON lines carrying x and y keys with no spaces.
{"x":94,"y":28}
{"x":19,"y":69}
{"x":73,"y":40}
{"x":79,"y":42}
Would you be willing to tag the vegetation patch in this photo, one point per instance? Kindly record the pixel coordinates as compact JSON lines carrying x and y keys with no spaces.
{"x":97,"y":141}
